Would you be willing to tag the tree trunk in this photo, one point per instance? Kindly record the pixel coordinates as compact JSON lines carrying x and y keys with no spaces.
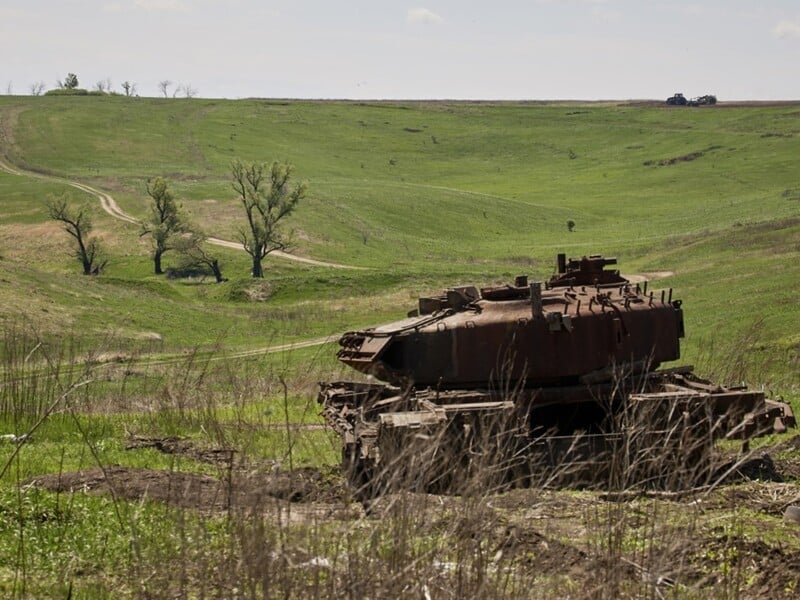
{"x":84,"y":255}
{"x":217,"y":271}
{"x":157,"y":262}
{"x":257,"y":270}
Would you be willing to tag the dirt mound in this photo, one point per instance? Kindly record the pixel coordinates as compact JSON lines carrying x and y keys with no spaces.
{"x":239,"y":490}
{"x":173,"y":487}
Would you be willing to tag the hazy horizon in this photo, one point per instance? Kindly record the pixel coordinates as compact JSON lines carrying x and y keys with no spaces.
{"x":581,"y":50}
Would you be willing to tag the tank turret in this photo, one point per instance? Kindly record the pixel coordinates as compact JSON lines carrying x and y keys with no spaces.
{"x":582,"y":321}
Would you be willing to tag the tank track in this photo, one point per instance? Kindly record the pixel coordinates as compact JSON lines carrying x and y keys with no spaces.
{"x":657,"y":429}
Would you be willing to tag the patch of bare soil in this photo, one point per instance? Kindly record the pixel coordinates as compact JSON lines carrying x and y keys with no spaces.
{"x":322,"y":494}
{"x":650,"y":276}
{"x":238,"y":486}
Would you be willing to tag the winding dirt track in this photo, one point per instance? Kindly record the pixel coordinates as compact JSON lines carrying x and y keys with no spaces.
{"x":110,"y":206}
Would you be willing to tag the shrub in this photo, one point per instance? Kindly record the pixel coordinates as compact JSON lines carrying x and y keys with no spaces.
{"x":73,"y":92}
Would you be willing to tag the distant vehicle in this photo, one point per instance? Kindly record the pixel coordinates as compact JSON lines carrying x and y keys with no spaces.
{"x":677,"y":99}
{"x":707,"y":100}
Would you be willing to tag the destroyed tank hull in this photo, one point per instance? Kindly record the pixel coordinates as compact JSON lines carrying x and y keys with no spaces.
{"x":554,"y":382}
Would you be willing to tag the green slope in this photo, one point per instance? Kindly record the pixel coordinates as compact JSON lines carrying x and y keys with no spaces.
{"x":427,"y":194}
{"x":458,"y":175}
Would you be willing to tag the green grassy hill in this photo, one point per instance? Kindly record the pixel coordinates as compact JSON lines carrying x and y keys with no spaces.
{"x":424,"y":194}
{"x":211,"y":440}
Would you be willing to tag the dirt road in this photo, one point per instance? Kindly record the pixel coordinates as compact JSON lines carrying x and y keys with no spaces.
{"x":110,"y":206}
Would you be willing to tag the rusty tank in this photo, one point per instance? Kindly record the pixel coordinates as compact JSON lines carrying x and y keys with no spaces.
{"x":551,"y":382}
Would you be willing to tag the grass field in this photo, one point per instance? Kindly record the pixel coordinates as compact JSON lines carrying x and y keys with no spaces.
{"x":425,"y":195}
{"x":419,"y":195}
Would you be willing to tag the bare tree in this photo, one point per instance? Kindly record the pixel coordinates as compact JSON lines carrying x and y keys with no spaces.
{"x":267,"y":197}
{"x":10,"y":88}
{"x":77,"y":223}
{"x":104,"y":85}
{"x":191,"y":247}
{"x":37,"y":88}
{"x":166,"y":221}
{"x":129,"y":88}
{"x":164,"y":87}
{"x":188,"y":90}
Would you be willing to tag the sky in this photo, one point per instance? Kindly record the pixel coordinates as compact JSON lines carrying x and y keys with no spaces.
{"x":422,"y":49}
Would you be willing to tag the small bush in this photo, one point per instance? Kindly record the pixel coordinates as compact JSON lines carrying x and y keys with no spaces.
{"x":246,"y":290}
{"x":73,"y":92}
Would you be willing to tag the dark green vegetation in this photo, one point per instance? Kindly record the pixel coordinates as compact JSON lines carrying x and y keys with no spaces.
{"x":420,"y":195}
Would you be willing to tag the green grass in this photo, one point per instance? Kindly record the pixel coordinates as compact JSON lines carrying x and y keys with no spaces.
{"x":498,"y":183}
{"x":423,"y":195}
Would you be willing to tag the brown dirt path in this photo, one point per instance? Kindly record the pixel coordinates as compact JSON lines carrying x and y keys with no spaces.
{"x":110,"y":206}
